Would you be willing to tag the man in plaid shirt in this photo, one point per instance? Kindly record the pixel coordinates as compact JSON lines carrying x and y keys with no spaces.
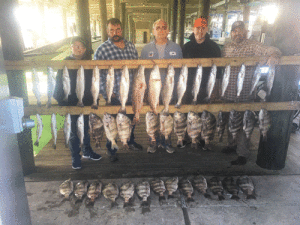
{"x":116,"y":48}
{"x":243,"y":47}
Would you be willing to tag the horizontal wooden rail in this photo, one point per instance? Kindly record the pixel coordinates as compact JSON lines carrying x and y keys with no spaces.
{"x":162,"y":63}
{"x":225,"y":107}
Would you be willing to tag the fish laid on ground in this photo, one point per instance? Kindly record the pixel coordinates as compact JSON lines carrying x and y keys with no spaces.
{"x":225,"y":80}
{"x":180,"y":127}
{"x":66,"y":83}
{"x":67,"y":129}
{"x":208,"y":126}
{"x":270,"y":79}
{"x":211,"y":81}
{"x":159,"y":188}
{"x":66,"y":188}
{"x":166,"y":125}
{"x":200,"y":185}
{"x":80,"y":85}
{"x":154,"y":89}
{"x":111,"y":192}
{"x":235,"y":123}
{"x":110,"y":82}
{"x":186,"y":188}
{"x":197,"y":83}
{"x":240,"y":79}
{"x":231,"y":187}
{"x":143,"y":191}
{"x":50,"y":85}
{"x":54,"y":129}
{"x":255,"y":79}
{"x":95,"y":87}
{"x":181,"y":85}
{"x":96,"y":128}
{"x":248,"y":123}
{"x":139,"y":88}
{"x":124,"y":129}
{"x":152,"y":125}
{"x":81,"y":189}
{"x":194,"y":127}
{"x":36,"y":87}
{"x":39,"y":129}
{"x":124,"y":88}
{"x":171,"y":186}
{"x":167,"y":91}
{"x":94,"y":190}
{"x":127,"y":192}
{"x":264,"y":118}
{"x":111,"y":131}
{"x":80,"y":130}
{"x":247,"y":186}
{"x":216,"y":187}
{"x":221,"y":124}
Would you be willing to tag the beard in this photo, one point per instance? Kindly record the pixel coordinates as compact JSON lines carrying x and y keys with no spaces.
{"x":116,"y":38}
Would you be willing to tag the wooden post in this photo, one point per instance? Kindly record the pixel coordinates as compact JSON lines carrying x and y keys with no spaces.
{"x":246,"y":15}
{"x":116,"y":7}
{"x":169,"y":15}
{"x":103,"y":20}
{"x":65,"y":25}
{"x":181,"y":22}
{"x":174,"y":21}
{"x":123,"y":15}
{"x":205,"y":8}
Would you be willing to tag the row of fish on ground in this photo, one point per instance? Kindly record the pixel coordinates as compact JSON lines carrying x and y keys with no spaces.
{"x":186,"y":186}
{"x":164,"y":124}
{"x":139,"y":85}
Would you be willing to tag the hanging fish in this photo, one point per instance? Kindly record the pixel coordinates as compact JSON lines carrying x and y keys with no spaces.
{"x":111,"y":131}
{"x":143,"y":191}
{"x":235,"y":123}
{"x":181,"y":85}
{"x":180,"y":127}
{"x":159,"y":188}
{"x":39,"y":129}
{"x":171,"y":185}
{"x":54,"y":129}
{"x":186,"y":188}
{"x":225,"y":80}
{"x":194,"y":127}
{"x":80,"y":190}
{"x":152,"y":125}
{"x":211,"y":81}
{"x":197,"y":83}
{"x":66,"y":188}
{"x":247,"y":186}
{"x":111,"y":192}
{"x":221,"y":123}
{"x":167,"y":91}
{"x":36,"y":87}
{"x":95,"y":87}
{"x":124,"y":88}
{"x":240,"y":80}
{"x":248,"y":123}
{"x":166,"y":125}
{"x":94,"y":191}
{"x":50,"y":85}
{"x":124,"y":129}
{"x":216,"y":187}
{"x":96,"y":128}
{"x":154,"y":89}
{"x":270,"y":79}
{"x":80,"y":130}
{"x":231,"y":187}
{"x":67,"y":129}
{"x":264,"y":118}
{"x":208,"y":126}
{"x":127,"y":192}
{"x":66,"y":83}
{"x":200,"y":185}
{"x":110,"y":82}
{"x":80,"y":85}
{"x":255,"y":79}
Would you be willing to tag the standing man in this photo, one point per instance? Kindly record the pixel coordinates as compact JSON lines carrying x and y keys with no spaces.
{"x":240,"y":46}
{"x":116,"y":48}
{"x":162,"y":48}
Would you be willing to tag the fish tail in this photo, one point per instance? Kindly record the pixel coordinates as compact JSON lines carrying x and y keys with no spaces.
{"x":170,"y":196}
{"x":94,"y":106}
{"x":145,"y":210}
{"x":89,"y":203}
{"x":221,"y":197}
{"x":122,"y":110}
{"x":127,"y":204}
{"x":80,"y":104}
{"x":194,"y":102}
{"x":178,"y":105}
{"x":36,"y":143}
{"x":114,"y":145}
{"x":145,"y":204}
{"x":114,"y":204}
{"x":235,"y":197}
{"x":251,"y":196}
{"x":180,"y":142}
{"x":207,"y":195}
{"x":264,"y":137}
{"x":54,"y":146}
{"x":161,"y":198}
{"x":190,"y":199}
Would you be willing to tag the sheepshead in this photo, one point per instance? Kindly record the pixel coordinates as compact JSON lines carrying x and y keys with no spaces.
{"x":221,"y":123}
{"x":110,"y":127}
{"x":39,"y":129}
{"x":231,"y":187}
{"x":211,"y":81}
{"x":80,"y":84}
{"x":81,"y":189}
{"x":139,"y":88}
{"x":167,"y":91}
{"x":143,"y":191}
{"x":247,"y":186}
{"x":94,"y":190}
{"x":197,"y":83}
{"x":216,"y":187}
{"x":240,"y":79}
{"x":124,"y":88}
{"x":200,"y":185}
{"x":152,"y":125}
{"x":95,"y":87}
{"x":66,"y":83}
{"x":194,"y":127}
{"x":159,"y":188}
{"x":166,"y":125}
{"x":255,"y":79}
{"x":181,"y":85}
{"x":171,"y":186}
{"x":67,"y":129}
{"x":54,"y":129}
{"x":180,"y":127}
{"x":248,"y":123}
{"x":111,"y":192}
{"x":235,"y":123}
{"x":208,"y":126}
{"x":50,"y":85}
{"x":264,"y":118}
{"x":270,"y":79}
{"x":124,"y":129}
{"x":96,"y":128}
{"x":36,"y":87}
{"x":127,"y":192}
{"x":186,"y":188}
{"x":80,"y":130}
{"x":110,"y":82}
{"x":66,"y":188}
{"x":225,"y":80}
{"x":154,"y":89}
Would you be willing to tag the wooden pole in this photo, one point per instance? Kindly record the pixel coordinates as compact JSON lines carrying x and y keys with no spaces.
{"x":174,"y":21}
{"x":103,"y":20}
{"x":205,"y":8}
{"x":246,"y":15}
{"x":169,"y":16}
{"x":123,"y":15}
{"x":181,"y":22}
{"x":116,"y":4}
{"x":64,"y":20}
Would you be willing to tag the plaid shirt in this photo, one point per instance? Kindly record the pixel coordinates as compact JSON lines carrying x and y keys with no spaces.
{"x":109,"y":51}
{"x":247,"y":48}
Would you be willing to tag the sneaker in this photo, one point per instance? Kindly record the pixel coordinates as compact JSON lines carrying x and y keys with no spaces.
{"x":113,"y":158}
{"x":135,"y":147}
{"x":170,"y":149}
{"x":228,"y":150}
{"x":93,"y":156}
{"x":76,"y":165}
{"x":152,"y":149}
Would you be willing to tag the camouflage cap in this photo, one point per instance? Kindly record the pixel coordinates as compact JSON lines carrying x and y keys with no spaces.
{"x":236,"y":24}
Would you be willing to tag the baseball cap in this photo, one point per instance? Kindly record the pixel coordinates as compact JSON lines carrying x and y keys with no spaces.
{"x":200,"y":22}
{"x":236,"y":24}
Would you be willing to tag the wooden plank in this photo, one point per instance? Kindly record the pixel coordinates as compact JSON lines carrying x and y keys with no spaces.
{"x":225,"y":107}
{"x":162,"y":63}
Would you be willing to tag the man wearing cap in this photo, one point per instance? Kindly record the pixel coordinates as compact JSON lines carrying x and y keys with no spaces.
{"x":240,"y":46}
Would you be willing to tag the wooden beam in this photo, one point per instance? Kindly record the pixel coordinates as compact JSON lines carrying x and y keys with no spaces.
{"x":174,"y":20}
{"x":181,"y":22}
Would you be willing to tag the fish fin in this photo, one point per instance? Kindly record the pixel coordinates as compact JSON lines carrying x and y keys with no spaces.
{"x":54,"y":146}
{"x":190,"y":199}
{"x":145,"y":210}
{"x":80,"y":104}
{"x":221,"y":197}
{"x":114,"y":204}
{"x":235,"y":197}
{"x":177,"y":106}
{"x":170,"y":196}
{"x":122,"y":110}
{"x":207,"y":195}
{"x":251,"y":196}
{"x":161,"y":198}
{"x":94,"y":107}
{"x":36,"y":143}
{"x":114,"y":145}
